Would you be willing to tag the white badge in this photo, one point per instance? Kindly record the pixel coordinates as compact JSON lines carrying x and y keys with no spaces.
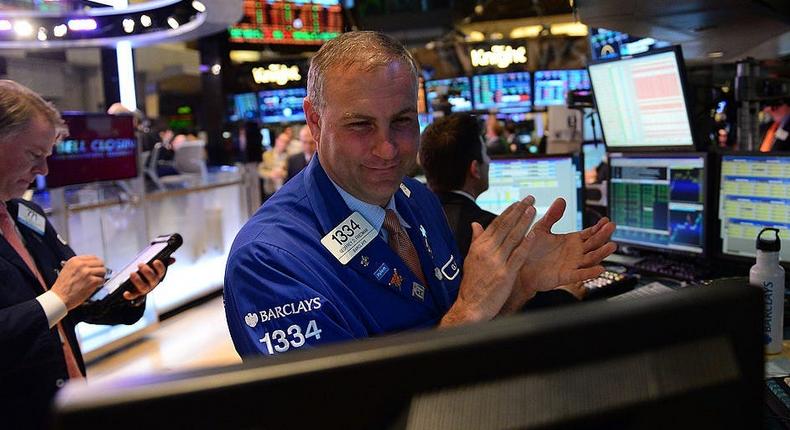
{"x":781,"y":134}
{"x":348,"y":238}
{"x":405,"y":189}
{"x":31,"y":219}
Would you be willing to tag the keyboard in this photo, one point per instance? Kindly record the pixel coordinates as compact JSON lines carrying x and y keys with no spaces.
{"x":608,"y":284}
{"x":672,"y":268}
{"x":648,"y":290}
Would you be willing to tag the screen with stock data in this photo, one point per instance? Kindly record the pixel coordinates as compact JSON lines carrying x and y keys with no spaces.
{"x":456,"y":91}
{"x":641,"y":102}
{"x":282,"y":105}
{"x":546,"y":178}
{"x":754,"y":194}
{"x":552,"y":86}
{"x":658,"y":201}
{"x":506,"y":92}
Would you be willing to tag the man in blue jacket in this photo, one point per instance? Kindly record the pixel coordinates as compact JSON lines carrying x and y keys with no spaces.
{"x":351,"y":248}
{"x":43,"y":284}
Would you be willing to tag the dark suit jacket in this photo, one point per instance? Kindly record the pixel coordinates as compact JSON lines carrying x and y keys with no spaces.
{"x":461,"y":212}
{"x":296,"y":163}
{"x":32,"y":365}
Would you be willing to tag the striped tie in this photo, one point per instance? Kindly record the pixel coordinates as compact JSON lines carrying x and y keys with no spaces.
{"x":400,"y":243}
{"x":9,"y":232}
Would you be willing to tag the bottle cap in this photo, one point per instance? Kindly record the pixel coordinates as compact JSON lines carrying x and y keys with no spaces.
{"x":769,"y":245}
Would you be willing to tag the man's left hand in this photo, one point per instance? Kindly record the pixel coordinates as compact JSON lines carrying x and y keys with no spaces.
{"x":559,"y":259}
{"x":146,"y":279}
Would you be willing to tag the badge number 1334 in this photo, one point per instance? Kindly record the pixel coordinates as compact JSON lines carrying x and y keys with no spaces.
{"x":292,"y":337}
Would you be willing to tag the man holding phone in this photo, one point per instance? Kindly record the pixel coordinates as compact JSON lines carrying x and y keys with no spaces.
{"x":43,"y":284}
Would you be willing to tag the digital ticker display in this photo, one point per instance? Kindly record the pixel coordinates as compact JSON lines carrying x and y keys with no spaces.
{"x":99,"y":147}
{"x":288,"y":22}
{"x":506,"y":92}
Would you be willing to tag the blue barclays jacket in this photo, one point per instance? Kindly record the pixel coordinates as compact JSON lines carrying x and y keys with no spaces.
{"x":284,"y":290}
{"x":32,"y":365}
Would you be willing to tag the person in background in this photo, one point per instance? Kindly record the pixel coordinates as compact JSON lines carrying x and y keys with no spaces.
{"x":777,"y":137}
{"x":44,"y":285}
{"x":495,"y":141}
{"x":453,"y":156}
{"x":355,"y":249}
{"x":297,"y":162}
{"x":272,"y":168}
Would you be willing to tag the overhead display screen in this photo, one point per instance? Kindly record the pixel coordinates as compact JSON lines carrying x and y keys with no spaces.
{"x":99,"y":147}
{"x":291,"y":22}
{"x":503,"y":91}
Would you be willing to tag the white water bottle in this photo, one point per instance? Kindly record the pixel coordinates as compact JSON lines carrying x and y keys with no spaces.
{"x":770,"y":276}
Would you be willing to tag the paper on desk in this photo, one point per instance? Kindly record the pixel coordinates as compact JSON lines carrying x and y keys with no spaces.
{"x":778,"y":367}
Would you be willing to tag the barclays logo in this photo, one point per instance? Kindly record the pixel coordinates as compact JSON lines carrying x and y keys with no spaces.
{"x":251,"y":319}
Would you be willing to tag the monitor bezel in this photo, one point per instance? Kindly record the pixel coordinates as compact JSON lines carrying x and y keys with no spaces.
{"x":579,"y":164}
{"x":707,"y":201}
{"x":718,"y":239}
{"x":534,"y":79}
{"x":499,"y":108}
{"x":695,"y":145}
{"x":468,"y":79}
{"x":261,"y":117}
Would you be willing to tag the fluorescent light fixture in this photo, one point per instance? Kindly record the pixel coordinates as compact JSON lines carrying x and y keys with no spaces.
{"x":23,"y":28}
{"x":82,"y":24}
{"x":198,"y":6}
{"x":60,"y":30}
{"x":716,"y":54}
{"x":526,"y":31}
{"x":5,"y":25}
{"x":42,"y":34}
{"x":145,"y":20}
{"x":128,"y":25}
{"x":569,"y":29}
{"x":172,"y":22}
{"x":123,"y":50}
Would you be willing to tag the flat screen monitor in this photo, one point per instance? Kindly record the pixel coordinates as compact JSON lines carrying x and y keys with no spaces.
{"x":547,"y":178}
{"x":690,"y":359}
{"x":282,"y":105}
{"x":99,"y":147}
{"x":754,"y":193}
{"x":658,"y":201}
{"x":455,"y":91}
{"x":506,"y":92}
{"x":245,"y":107}
{"x":642,"y":101}
{"x":552,"y":86}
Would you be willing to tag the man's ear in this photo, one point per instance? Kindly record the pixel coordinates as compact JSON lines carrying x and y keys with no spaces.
{"x":474,"y":169}
{"x":313,"y":121}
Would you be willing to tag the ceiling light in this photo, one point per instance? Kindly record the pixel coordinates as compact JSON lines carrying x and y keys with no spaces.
{"x":475,"y":36}
{"x":569,"y":29}
{"x":145,"y":20}
{"x":60,"y":30}
{"x":479,"y":9}
{"x":172,"y":22}
{"x":497,"y":36}
{"x":82,"y":24}
{"x":23,"y":28}
{"x":216,"y":69}
{"x":128,"y":25}
{"x":42,"y":34}
{"x":5,"y":25}
{"x":198,"y":6}
{"x":716,"y":54}
{"x":526,"y":31}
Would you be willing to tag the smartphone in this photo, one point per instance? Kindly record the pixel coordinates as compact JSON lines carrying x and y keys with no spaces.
{"x":160,"y":249}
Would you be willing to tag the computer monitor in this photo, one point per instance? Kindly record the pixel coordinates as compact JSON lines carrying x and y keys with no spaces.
{"x":99,"y":147}
{"x":658,"y":201}
{"x":282,"y":105}
{"x":506,"y":92}
{"x":455,"y":91}
{"x":642,"y":101}
{"x":510,"y":179}
{"x":754,"y":193}
{"x":552,"y":86}
{"x":245,"y":107}
{"x":689,"y":359}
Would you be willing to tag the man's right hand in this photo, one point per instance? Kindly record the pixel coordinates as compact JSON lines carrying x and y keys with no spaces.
{"x":492,"y":264}
{"x":78,"y":279}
